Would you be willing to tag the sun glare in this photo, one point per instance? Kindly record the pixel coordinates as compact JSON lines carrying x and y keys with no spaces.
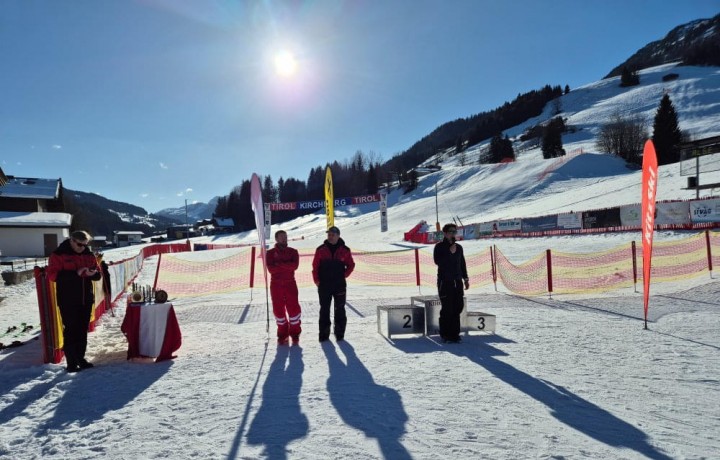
{"x":285,"y":64}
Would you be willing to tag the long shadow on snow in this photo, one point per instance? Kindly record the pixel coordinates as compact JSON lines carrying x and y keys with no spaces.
{"x":564,"y":405}
{"x":123,"y":382}
{"x":279,"y":421}
{"x":374,"y":409}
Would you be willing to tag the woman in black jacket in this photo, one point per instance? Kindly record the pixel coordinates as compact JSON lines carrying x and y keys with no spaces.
{"x":74,"y":267}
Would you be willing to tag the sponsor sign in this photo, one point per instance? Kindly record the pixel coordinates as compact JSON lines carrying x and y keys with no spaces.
{"x":485,"y":228}
{"x":672,"y":213}
{"x":569,"y":220}
{"x":603,"y":218}
{"x":630,"y":215}
{"x":705,"y":210}
{"x":539,"y":224}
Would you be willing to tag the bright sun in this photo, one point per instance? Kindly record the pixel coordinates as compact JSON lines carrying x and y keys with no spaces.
{"x":285,"y":64}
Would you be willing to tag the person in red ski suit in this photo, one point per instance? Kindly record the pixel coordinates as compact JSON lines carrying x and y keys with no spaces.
{"x":332,"y":264}
{"x":73,"y":268}
{"x":282,"y":261}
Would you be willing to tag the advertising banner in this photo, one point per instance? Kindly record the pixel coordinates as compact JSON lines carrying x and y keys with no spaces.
{"x":569,"y":220}
{"x":268,"y":220}
{"x":630,"y":215}
{"x":470,"y":232}
{"x":603,"y":218}
{"x":539,"y":224}
{"x":676,"y":213}
{"x":705,"y":210}
{"x":649,"y":192}
{"x":383,"y":213}
{"x":486,"y":228}
{"x":510,"y":225}
{"x":329,"y":198}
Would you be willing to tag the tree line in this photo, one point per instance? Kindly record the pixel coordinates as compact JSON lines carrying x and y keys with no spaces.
{"x":360,"y":175}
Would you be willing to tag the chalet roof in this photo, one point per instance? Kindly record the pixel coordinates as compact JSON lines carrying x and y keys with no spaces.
{"x":35,"y":219}
{"x":224,"y":222}
{"x":30,"y":187}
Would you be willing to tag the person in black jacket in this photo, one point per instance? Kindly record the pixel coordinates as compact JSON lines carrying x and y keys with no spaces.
{"x":74,"y":267}
{"x":451,"y":279}
{"x":332,"y":264}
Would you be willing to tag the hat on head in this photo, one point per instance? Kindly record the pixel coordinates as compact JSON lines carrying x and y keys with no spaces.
{"x":334,"y":230}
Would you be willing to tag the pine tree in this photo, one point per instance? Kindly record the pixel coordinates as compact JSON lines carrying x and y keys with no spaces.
{"x":552,"y":138}
{"x":629,"y":78}
{"x":666,"y":133}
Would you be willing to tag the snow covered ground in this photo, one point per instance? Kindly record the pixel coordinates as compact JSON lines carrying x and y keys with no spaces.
{"x":563,"y":377}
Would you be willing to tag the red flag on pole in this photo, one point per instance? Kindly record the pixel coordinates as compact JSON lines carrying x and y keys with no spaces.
{"x":649,"y":192}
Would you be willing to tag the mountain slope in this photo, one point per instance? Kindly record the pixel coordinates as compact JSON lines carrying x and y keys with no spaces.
{"x":101,"y":216}
{"x":694,"y":43}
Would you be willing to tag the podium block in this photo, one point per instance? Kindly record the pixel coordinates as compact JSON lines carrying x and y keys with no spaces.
{"x":431,"y":304}
{"x":479,"y":322}
{"x":400,"y":319}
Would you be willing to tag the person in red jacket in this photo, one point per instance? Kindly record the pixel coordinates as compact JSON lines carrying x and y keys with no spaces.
{"x":282,"y":261}
{"x":73,"y":268}
{"x":332,"y":264}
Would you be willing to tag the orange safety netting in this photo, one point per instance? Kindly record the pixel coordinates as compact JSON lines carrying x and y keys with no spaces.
{"x":182,"y":278}
{"x":528,"y":278}
{"x":548,"y":272}
{"x":594,"y":272}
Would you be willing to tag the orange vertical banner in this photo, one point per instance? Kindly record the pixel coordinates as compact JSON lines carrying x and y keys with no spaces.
{"x":649,"y":192}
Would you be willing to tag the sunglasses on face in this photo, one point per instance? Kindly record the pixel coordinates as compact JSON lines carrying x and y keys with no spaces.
{"x":82,"y":245}
{"x":452,"y":232}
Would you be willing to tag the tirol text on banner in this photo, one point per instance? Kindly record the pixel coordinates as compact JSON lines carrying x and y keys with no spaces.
{"x":649,"y":192}
{"x":329,"y":198}
{"x":259,"y":210}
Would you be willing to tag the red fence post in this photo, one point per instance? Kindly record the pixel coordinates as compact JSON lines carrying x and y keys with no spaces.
{"x":493,"y":267}
{"x":633,"y":250}
{"x":157,"y":271}
{"x":709,"y":251}
{"x":549,"y":272}
{"x":252,"y":267}
{"x":417,"y":267}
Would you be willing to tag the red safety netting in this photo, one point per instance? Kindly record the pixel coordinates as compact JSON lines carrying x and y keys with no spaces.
{"x":181,"y":277}
{"x":528,"y":278}
{"x":593,"y":272}
{"x":548,"y":272}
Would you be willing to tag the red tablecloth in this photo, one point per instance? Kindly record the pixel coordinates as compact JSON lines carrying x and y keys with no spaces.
{"x":151,"y":330}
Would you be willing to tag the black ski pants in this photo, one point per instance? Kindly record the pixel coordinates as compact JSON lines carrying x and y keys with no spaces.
{"x":451,"y":305}
{"x":75,"y":320}
{"x":327,"y":295}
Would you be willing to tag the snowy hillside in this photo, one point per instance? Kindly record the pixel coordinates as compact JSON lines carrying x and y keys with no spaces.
{"x":563,"y":377}
{"x":195,"y":211}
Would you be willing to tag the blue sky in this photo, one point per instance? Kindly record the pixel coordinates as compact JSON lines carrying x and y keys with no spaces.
{"x":154,"y":102}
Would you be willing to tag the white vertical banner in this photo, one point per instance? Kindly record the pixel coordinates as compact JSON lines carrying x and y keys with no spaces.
{"x":383,"y":212}
{"x":268,"y":221}
{"x":259,"y":210}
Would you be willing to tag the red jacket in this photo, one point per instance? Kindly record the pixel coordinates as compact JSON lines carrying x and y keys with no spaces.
{"x":331,"y":268}
{"x":282,"y":263}
{"x":63,"y":265}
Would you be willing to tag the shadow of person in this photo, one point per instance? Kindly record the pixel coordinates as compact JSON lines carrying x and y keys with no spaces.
{"x":125,"y":386}
{"x":567,"y":407}
{"x":374,"y":409}
{"x":279,"y":421}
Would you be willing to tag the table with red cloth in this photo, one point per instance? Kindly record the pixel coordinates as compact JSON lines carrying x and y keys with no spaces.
{"x":152,"y":330}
